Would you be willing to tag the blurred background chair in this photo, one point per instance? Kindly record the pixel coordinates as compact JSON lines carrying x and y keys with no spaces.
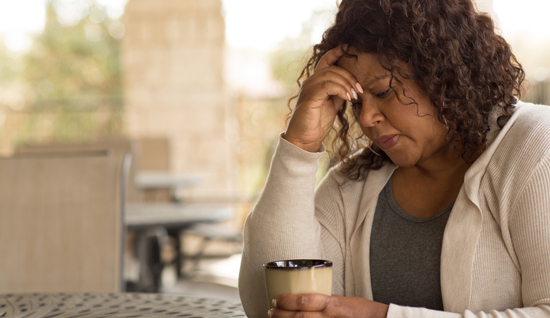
{"x":62,"y":223}
{"x":152,"y":192}
{"x":210,"y":234}
{"x":155,"y":153}
{"x":116,"y":146}
{"x":154,"y":157}
{"x":155,"y":179}
{"x":155,"y":164}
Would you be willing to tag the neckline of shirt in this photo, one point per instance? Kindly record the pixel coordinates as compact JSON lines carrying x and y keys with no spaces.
{"x":397,"y":210}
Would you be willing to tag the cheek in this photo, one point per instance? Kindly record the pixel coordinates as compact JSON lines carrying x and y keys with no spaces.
{"x":365,"y":132}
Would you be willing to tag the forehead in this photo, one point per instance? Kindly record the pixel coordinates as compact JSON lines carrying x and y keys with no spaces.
{"x":365,"y":67}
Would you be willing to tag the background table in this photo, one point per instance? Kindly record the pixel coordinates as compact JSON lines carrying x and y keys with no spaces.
{"x":168,"y":180}
{"x":114,"y":305}
{"x":171,"y":215}
{"x":152,"y":221}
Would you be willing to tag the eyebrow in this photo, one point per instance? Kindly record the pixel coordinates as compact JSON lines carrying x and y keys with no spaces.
{"x":375,"y":79}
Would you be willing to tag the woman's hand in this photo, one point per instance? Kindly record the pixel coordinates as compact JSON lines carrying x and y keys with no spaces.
{"x":321,"y":96}
{"x":318,"y":305}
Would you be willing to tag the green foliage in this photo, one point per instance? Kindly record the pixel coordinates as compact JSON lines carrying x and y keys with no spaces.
{"x":290,"y":58}
{"x":74,"y":66}
{"x":71,"y":78}
{"x":8,"y":67}
{"x":292,"y":54}
{"x":288,"y":61}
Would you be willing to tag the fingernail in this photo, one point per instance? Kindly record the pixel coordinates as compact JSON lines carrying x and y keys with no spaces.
{"x":354,"y":93}
{"x":274,"y":302}
{"x":269,"y":313}
{"x":359,"y":88}
{"x":349,"y":96}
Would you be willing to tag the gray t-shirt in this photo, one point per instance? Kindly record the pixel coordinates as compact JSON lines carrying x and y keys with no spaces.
{"x":405,"y":255}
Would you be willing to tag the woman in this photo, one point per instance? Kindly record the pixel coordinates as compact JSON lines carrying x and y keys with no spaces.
{"x":441,"y":207}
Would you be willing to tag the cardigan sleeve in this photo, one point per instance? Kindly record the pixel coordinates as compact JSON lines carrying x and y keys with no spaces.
{"x":329,"y":211}
{"x":529,"y":228}
{"x":283,"y":224}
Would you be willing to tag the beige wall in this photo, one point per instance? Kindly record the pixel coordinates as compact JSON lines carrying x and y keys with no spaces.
{"x":173,"y":63}
{"x":487,"y":6}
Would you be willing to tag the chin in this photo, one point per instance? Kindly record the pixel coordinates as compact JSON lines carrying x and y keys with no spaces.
{"x":403,"y":162}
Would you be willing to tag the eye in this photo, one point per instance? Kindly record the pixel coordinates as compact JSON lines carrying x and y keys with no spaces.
{"x":357,"y":107}
{"x":383,"y":93}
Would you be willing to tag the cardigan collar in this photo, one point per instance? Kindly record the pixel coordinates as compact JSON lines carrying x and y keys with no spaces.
{"x":464,"y":225}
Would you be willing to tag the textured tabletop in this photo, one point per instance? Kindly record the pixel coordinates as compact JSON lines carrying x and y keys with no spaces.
{"x":64,"y":305}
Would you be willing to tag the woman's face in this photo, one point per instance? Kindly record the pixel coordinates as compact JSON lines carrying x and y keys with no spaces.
{"x":408,"y":133}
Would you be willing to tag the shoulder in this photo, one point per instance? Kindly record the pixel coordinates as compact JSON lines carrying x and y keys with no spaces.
{"x":518,"y":155}
{"x":528,"y":134}
{"x":532,"y":124}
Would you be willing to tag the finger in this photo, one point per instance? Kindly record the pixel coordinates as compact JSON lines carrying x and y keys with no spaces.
{"x":338,"y":103}
{"x":303,"y":302}
{"x":339,"y":76}
{"x":325,"y":90}
{"x":353,"y":82}
{"x":281,"y":313}
{"x":329,"y":58}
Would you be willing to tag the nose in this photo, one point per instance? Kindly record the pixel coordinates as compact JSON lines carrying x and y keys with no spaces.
{"x":370,"y":114}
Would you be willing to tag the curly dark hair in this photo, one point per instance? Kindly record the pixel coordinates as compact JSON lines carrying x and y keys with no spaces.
{"x":452,"y":52}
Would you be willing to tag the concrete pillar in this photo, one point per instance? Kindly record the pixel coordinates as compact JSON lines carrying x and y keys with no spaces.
{"x":173,"y":68}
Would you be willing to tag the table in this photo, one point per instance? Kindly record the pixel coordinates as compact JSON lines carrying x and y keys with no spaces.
{"x":166,"y":179}
{"x":153,"y":221}
{"x":173,"y":215}
{"x":65,"y":305}
{"x":157,"y":180}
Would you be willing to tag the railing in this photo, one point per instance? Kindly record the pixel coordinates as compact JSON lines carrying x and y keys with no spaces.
{"x":59,"y":122}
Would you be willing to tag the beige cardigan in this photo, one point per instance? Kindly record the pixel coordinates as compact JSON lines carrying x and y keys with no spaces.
{"x":495,"y":259}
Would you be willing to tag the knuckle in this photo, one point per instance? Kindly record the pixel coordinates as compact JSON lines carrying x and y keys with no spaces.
{"x":325,"y":76}
{"x":331,"y":71}
{"x":326,"y":84}
{"x":302,"y":301}
{"x":299,"y":314}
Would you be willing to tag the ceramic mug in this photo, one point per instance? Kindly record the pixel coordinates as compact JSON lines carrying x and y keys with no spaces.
{"x":298,"y":276}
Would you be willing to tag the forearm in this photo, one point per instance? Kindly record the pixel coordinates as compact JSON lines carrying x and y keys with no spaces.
{"x":282,"y":225}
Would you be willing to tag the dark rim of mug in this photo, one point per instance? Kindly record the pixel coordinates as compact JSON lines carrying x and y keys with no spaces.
{"x":293,"y":264}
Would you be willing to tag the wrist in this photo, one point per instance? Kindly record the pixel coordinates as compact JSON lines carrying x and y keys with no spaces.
{"x":382,"y":311}
{"x":309,"y":147}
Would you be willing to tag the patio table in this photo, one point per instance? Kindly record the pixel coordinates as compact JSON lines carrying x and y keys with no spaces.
{"x":169,"y":180}
{"x":65,"y":305}
{"x":173,"y":215}
{"x":166,"y":179}
{"x":152,"y":221}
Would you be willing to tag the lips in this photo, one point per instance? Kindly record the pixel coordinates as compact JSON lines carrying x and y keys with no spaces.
{"x":386,"y":142}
